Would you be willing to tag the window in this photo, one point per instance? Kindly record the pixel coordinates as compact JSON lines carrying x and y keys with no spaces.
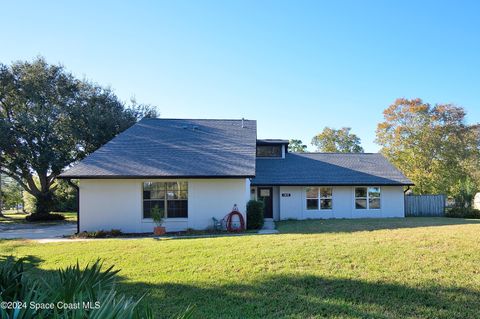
{"x":170,"y":197}
{"x":325,"y":198}
{"x":374,"y":197}
{"x":361,"y":198}
{"x":312,"y":198}
{"x":269,"y":151}
{"x":264,"y":192}
{"x":316,"y":195}
{"x":252,"y":193}
{"x":367,"y":197}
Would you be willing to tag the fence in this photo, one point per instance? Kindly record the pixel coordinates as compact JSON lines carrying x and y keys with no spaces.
{"x":425,"y":205}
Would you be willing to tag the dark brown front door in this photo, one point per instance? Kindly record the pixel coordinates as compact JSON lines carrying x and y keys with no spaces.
{"x":265,"y":195}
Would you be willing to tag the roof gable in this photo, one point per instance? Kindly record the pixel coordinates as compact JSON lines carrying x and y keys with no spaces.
{"x":175,"y":148}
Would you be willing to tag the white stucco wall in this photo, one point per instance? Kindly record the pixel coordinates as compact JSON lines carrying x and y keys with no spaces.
{"x":215,"y":198}
{"x":111,"y":204}
{"x":343,"y":204}
{"x":117,"y":204}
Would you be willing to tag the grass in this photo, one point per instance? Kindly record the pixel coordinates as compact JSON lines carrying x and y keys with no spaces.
{"x":389,"y":268}
{"x":14,"y":217}
{"x":343,"y":225}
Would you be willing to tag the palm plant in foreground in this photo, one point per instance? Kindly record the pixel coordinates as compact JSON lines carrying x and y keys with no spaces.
{"x":90,"y":290}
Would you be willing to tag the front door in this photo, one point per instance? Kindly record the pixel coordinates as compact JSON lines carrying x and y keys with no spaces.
{"x":265,"y":195}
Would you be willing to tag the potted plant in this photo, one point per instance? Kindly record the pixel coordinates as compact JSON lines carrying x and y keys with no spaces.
{"x":157,"y":217}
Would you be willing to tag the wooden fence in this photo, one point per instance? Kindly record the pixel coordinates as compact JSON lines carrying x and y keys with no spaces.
{"x":425,"y":205}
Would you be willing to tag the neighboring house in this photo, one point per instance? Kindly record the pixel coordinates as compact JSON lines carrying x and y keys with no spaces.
{"x":198,"y":169}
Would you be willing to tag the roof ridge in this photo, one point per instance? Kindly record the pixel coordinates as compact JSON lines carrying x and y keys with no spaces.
{"x":193,"y":119}
{"x":338,"y":153}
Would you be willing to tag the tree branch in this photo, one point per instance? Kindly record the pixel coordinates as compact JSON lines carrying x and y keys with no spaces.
{"x":51,"y":179}
{"x":18,"y":180}
{"x":32,"y":185}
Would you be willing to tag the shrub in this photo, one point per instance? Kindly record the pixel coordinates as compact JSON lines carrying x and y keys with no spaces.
{"x":254,"y":214}
{"x":116,"y":232}
{"x":44,"y":217}
{"x":463,"y":212}
{"x":157,"y":216}
{"x":99,"y":234}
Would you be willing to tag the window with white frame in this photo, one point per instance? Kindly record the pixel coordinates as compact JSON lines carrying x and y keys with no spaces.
{"x":170,"y":197}
{"x":367,"y":197}
{"x":318,"y":198}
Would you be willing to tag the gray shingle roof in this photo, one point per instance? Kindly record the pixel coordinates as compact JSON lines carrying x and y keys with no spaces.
{"x":328,"y":169}
{"x":174,"y":148}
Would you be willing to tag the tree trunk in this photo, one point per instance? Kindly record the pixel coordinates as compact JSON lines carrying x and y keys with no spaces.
{"x":44,"y":203}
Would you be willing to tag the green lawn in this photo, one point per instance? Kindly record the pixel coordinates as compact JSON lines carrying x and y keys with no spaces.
{"x":14,"y":217}
{"x":391,"y":268}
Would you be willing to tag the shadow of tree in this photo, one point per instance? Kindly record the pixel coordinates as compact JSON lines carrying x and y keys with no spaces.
{"x":312,"y":226}
{"x":30,"y":261}
{"x":299,"y":296}
{"x":290,"y":296}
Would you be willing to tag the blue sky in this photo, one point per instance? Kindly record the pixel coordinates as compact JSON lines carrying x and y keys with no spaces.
{"x":294,"y":66}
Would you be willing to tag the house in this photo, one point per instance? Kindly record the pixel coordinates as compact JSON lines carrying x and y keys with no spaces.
{"x":196,"y":169}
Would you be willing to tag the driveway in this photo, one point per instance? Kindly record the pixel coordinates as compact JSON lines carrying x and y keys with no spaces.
{"x":36,"y":231}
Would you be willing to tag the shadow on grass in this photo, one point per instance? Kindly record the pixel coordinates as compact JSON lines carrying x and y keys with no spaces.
{"x":12,"y":219}
{"x":311,"y":296}
{"x":30,"y":261}
{"x":299,"y":296}
{"x":20,"y":217}
{"x":313,"y":226}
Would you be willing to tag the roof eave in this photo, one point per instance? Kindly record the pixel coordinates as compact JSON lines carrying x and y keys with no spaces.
{"x":272,"y":142}
{"x":152,"y":176}
{"x":331,"y":184}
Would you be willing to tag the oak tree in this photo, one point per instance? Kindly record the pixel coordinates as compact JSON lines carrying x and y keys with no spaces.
{"x":49,"y":119}
{"x":432,"y":145}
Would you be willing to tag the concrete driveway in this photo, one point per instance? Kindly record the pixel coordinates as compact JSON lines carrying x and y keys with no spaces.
{"x":36,"y":231}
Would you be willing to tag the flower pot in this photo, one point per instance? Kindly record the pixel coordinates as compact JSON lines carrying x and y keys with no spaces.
{"x":159,"y":230}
